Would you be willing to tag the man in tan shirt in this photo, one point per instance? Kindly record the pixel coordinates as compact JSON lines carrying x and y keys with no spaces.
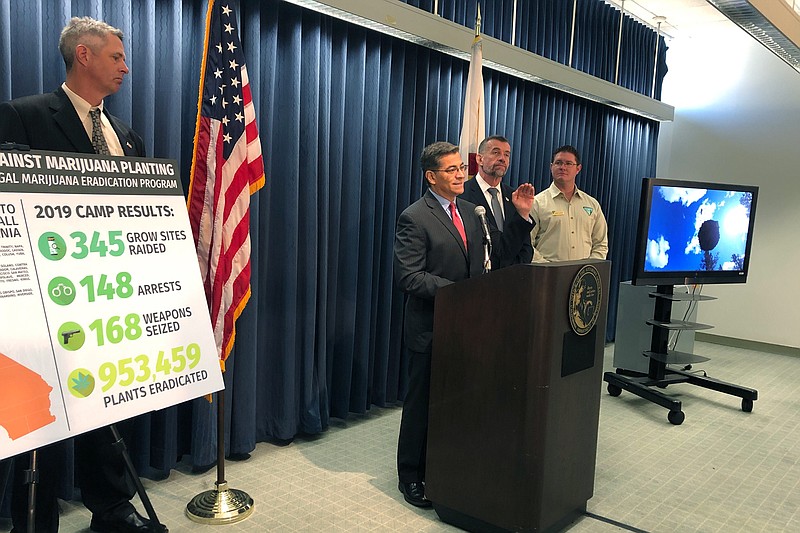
{"x":569,"y":223}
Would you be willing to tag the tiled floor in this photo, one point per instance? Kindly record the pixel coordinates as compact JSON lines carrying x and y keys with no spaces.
{"x":723,"y":470}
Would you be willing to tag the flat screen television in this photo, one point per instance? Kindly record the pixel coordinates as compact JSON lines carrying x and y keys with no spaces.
{"x":693,"y":232}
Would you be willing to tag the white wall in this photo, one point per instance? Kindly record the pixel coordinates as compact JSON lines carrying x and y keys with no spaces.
{"x":737,"y":120}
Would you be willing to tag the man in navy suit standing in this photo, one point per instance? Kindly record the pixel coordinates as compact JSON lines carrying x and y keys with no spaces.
{"x":439,"y":241}
{"x":487,"y":189}
{"x":62,"y":120}
{"x":73,"y":119}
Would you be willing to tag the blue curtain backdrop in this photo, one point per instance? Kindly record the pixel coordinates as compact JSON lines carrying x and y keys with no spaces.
{"x":544,"y":27}
{"x":344,"y":113}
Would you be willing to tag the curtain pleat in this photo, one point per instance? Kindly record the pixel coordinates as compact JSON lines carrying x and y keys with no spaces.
{"x":544,"y":27}
{"x":343,"y":114}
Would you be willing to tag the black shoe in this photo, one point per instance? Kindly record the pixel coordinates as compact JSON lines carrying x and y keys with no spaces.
{"x":133,"y":523}
{"x":414,"y":493}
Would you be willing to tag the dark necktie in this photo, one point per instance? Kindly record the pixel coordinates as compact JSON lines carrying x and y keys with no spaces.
{"x":457,"y":223}
{"x":497,"y":211}
{"x":98,"y":139}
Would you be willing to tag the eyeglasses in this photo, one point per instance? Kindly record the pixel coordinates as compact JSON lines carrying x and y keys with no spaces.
{"x":450,"y":170}
{"x":560,"y":163}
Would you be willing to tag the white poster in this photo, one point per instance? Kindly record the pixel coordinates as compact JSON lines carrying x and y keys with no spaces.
{"x":103,"y":315}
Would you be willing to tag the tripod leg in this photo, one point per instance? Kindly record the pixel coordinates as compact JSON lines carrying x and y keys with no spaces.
{"x":5,"y":474}
{"x":119,"y":445}
{"x":32,"y":479}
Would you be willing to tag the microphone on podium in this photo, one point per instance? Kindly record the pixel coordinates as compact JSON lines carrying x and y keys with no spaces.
{"x":481,"y":212}
{"x":487,"y":239}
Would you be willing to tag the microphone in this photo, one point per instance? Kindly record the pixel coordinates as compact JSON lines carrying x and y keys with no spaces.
{"x":481,"y":212}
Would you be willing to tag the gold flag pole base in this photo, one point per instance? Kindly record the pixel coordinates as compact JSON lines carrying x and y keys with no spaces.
{"x":220,"y":506}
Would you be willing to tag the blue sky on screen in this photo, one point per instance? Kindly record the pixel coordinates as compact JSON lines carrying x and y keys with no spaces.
{"x":676,"y":216}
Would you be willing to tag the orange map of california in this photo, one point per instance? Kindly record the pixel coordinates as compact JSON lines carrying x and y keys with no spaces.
{"x":26,"y":399}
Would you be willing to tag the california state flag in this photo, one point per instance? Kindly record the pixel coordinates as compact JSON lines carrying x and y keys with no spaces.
{"x":473,"y":129}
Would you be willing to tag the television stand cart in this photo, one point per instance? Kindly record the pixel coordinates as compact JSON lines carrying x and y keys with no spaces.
{"x":659,"y":374}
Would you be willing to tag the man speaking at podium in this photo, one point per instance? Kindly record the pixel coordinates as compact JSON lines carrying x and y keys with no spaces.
{"x":72,"y":119}
{"x":438,"y":241}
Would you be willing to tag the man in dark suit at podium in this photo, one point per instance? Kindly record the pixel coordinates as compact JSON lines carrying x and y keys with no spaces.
{"x":72,"y":119}
{"x":487,"y":189}
{"x":439,"y":241}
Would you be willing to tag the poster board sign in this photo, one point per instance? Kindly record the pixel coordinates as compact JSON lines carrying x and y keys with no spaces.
{"x":103,"y":315}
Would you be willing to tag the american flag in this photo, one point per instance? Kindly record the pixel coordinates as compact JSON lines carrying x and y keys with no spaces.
{"x":226,"y":169}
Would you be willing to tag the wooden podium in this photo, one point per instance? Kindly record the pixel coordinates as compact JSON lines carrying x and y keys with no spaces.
{"x":515,"y":397}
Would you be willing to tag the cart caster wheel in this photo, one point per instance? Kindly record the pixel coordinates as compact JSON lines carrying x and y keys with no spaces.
{"x":614,"y":390}
{"x":747,"y":405}
{"x":676,"y":417}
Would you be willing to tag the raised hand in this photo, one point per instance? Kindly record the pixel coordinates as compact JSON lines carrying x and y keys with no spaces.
{"x":522,"y":199}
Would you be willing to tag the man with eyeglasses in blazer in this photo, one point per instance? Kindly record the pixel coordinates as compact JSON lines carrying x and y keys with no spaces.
{"x":439,"y":241}
{"x":569,"y":222}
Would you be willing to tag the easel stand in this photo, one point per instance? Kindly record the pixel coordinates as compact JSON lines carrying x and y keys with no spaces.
{"x":5,"y":474}
{"x":659,"y":375}
{"x":32,"y":479}
{"x":119,"y":445}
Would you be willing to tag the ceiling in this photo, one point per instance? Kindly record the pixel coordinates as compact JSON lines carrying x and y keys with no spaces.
{"x":682,"y":18}
{"x":773,"y":23}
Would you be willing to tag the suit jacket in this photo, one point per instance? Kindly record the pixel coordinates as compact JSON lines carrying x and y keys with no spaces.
{"x":472,"y":193}
{"x":50,"y":122}
{"x":429,"y":254}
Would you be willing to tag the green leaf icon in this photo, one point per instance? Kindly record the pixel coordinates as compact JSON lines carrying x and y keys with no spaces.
{"x":81,"y":383}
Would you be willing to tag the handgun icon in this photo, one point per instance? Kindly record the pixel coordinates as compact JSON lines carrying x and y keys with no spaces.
{"x":66,"y":335}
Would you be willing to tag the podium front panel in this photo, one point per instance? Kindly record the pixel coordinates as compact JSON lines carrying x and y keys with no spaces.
{"x":513,"y":421}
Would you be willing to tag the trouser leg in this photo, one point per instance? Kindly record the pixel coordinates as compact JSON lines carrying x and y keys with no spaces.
{"x":413,"y":439}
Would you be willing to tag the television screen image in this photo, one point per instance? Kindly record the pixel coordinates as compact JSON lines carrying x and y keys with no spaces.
{"x":694,"y":232}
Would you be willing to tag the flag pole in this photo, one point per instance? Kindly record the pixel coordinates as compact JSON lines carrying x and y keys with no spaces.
{"x":227,"y":168}
{"x":221,"y":505}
